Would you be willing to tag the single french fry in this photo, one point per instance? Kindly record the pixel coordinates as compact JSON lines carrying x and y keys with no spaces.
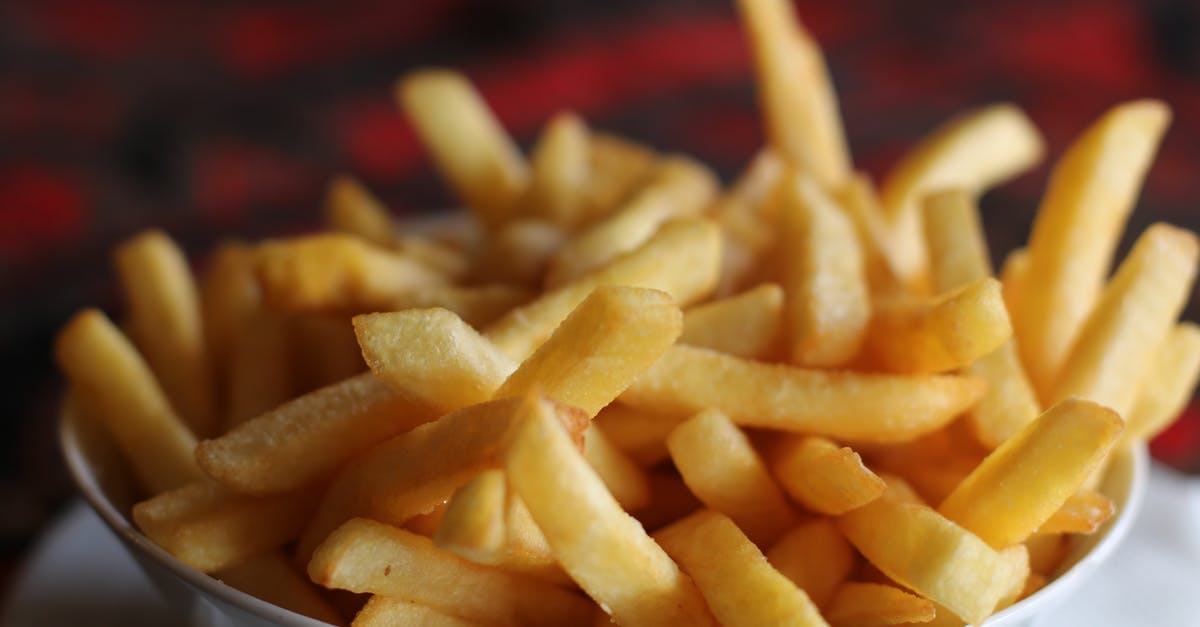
{"x":367,"y":556}
{"x":165,"y":323}
{"x":383,"y":611}
{"x":210,"y":528}
{"x":1046,"y":552}
{"x":682,"y":259}
{"x":470,"y":148}
{"x":518,"y":251}
{"x":828,"y":301}
{"x":724,"y":471}
{"x":740,"y":586}
{"x":861,"y":203}
{"x":947,"y":333}
{"x":228,"y":294}
{"x":840,"y":405}
{"x":816,"y":557}
{"x":900,"y":489}
{"x":259,"y":368}
{"x":561,"y":168}
{"x":823,"y":476}
{"x":324,"y":350}
{"x":336,"y":273}
{"x":972,"y":151}
{"x":618,"y":166}
{"x":1076,"y":230}
{"x":1136,"y":311}
{"x":747,"y":228}
{"x":746,"y":325}
{"x":1012,"y":277}
{"x":603,"y":549}
{"x":640,"y":435}
{"x":624,"y":479}
{"x":473,"y":523}
{"x":526,"y":549}
{"x":273,"y":578}
{"x":1083,"y":512}
{"x":112,"y":382}
{"x":1020,"y":485}
{"x":796,"y":97}
{"x":678,"y":187}
{"x":1168,"y":386}
{"x":876,"y":605}
{"x":350,"y":208}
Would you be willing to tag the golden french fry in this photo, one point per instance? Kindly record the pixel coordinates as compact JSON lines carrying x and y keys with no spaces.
{"x":260,"y":376}
{"x":165,"y":323}
{"x":741,"y":211}
{"x":470,"y":148}
{"x":603,"y":549}
{"x":1076,"y":230}
{"x":682,"y":259}
{"x":1083,"y":512}
{"x":640,"y":435}
{"x":972,"y":151}
{"x":624,"y":479}
{"x":561,"y":169}
{"x":367,"y":556}
{"x":947,"y":333}
{"x":842,"y":405}
{"x":618,"y":166}
{"x":518,"y":251}
{"x":473,"y":523}
{"x":112,"y":383}
{"x":350,"y":208}
{"x":861,"y":203}
{"x":724,"y":471}
{"x":228,"y":294}
{"x":210,"y":528}
{"x":383,"y":611}
{"x":477,"y":305}
{"x":1168,"y":386}
{"x":1046,"y":552}
{"x":740,"y":586}
{"x":273,"y":578}
{"x":1020,"y":485}
{"x":1135,"y":313}
{"x":796,"y":97}
{"x":1012,"y":277}
{"x":876,"y":605}
{"x":815,"y":556}
{"x":823,"y":476}
{"x":746,"y":325}
{"x":828,"y":302}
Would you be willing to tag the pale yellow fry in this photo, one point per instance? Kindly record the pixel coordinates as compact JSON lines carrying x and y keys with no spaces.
{"x":876,"y":605}
{"x":470,"y":148}
{"x":603,"y":549}
{"x":841,"y":405}
{"x":816,"y":557}
{"x":682,"y":259}
{"x":210,"y":528}
{"x":383,"y":611}
{"x":1078,"y":225}
{"x":823,"y":476}
{"x":640,"y":435}
{"x":367,"y":556}
{"x":861,"y":203}
{"x":1083,"y":512}
{"x":740,"y":586}
{"x":742,"y":213}
{"x":260,"y":375}
{"x":350,"y":208}
{"x":610,"y":338}
{"x":946,"y":333}
{"x":958,"y":255}
{"x":1169,"y":384}
{"x":518,"y":251}
{"x":163,"y":305}
{"x":444,"y":257}
{"x":561,"y":168}
{"x":1020,"y":485}
{"x":432,"y":357}
{"x":473,"y":523}
{"x":273,"y":578}
{"x":678,"y":187}
{"x":1134,"y":315}
{"x":973,"y":151}
{"x":112,"y":383}
{"x":618,"y":166}
{"x":746,"y":325}
{"x":477,"y":305}
{"x":795,"y":93}
{"x":336,"y":272}
{"x":626,"y":481}
{"x":925,"y":552}
{"x":719,"y":464}
{"x":828,"y":302}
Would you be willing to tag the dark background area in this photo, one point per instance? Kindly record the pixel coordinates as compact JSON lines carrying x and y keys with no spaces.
{"x":212,"y":119}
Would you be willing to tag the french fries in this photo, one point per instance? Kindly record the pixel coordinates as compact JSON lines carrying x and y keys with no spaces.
{"x":747,"y":325}
{"x":816,"y":557}
{"x":824,"y":477}
{"x":871,"y":604}
{"x":561,"y":167}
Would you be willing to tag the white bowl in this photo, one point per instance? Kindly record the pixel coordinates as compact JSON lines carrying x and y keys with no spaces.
{"x":104,"y":480}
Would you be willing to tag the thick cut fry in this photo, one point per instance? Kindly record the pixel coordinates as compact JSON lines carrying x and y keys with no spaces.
{"x":228,"y":295}
{"x":308,"y":438}
{"x":604,"y":344}
{"x":273,"y":578}
{"x":624,"y":479}
{"x":383,"y":611}
{"x":828,"y":301}
{"x":816,"y":557}
{"x":604,"y":549}
{"x":432,"y":357}
{"x":1022,"y":483}
{"x":350,"y":208}
{"x":210,"y":528}
{"x":1132,"y":318}
{"x":972,"y":152}
{"x":923,"y":551}
{"x":164,"y":321}
{"x":823,"y":476}
{"x":111,"y":382}
{"x":1077,"y":228}
{"x":561,"y":168}
{"x":948,"y":333}
{"x":640,"y":435}
{"x":679,"y":187}
{"x":841,"y":405}
{"x":259,"y":368}
{"x":740,"y":586}
{"x":724,"y":471}
{"x":336,"y":273}
{"x":518,"y":251}
{"x":477,"y":305}
{"x":747,"y":325}
{"x":368,"y":556}
{"x":796,"y":97}
{"x":470,"y":148}
{"x":1083,"y":512}
{"x":862,"y":205}
{"x":473,"y":524}
{"x":682,"y":259}
{"x":1168,"y":386}
{"x":876,"y":605}
{"x":618,"y":166}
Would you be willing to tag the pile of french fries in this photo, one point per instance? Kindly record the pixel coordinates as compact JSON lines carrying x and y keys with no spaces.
{"x":620,"y":391}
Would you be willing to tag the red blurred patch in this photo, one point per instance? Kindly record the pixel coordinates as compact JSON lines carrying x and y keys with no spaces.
{"x":106,"y":29}
{"x":378,"y":140}
{"x":1179,"y":445}
{"x":42,"y":209}
{"x":230,"y":177}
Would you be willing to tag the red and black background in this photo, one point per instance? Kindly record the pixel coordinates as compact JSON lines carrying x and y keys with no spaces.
{"x":224,"y":118}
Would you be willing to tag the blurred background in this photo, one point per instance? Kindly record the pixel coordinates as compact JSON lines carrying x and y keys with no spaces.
{"x":219,"y":119}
